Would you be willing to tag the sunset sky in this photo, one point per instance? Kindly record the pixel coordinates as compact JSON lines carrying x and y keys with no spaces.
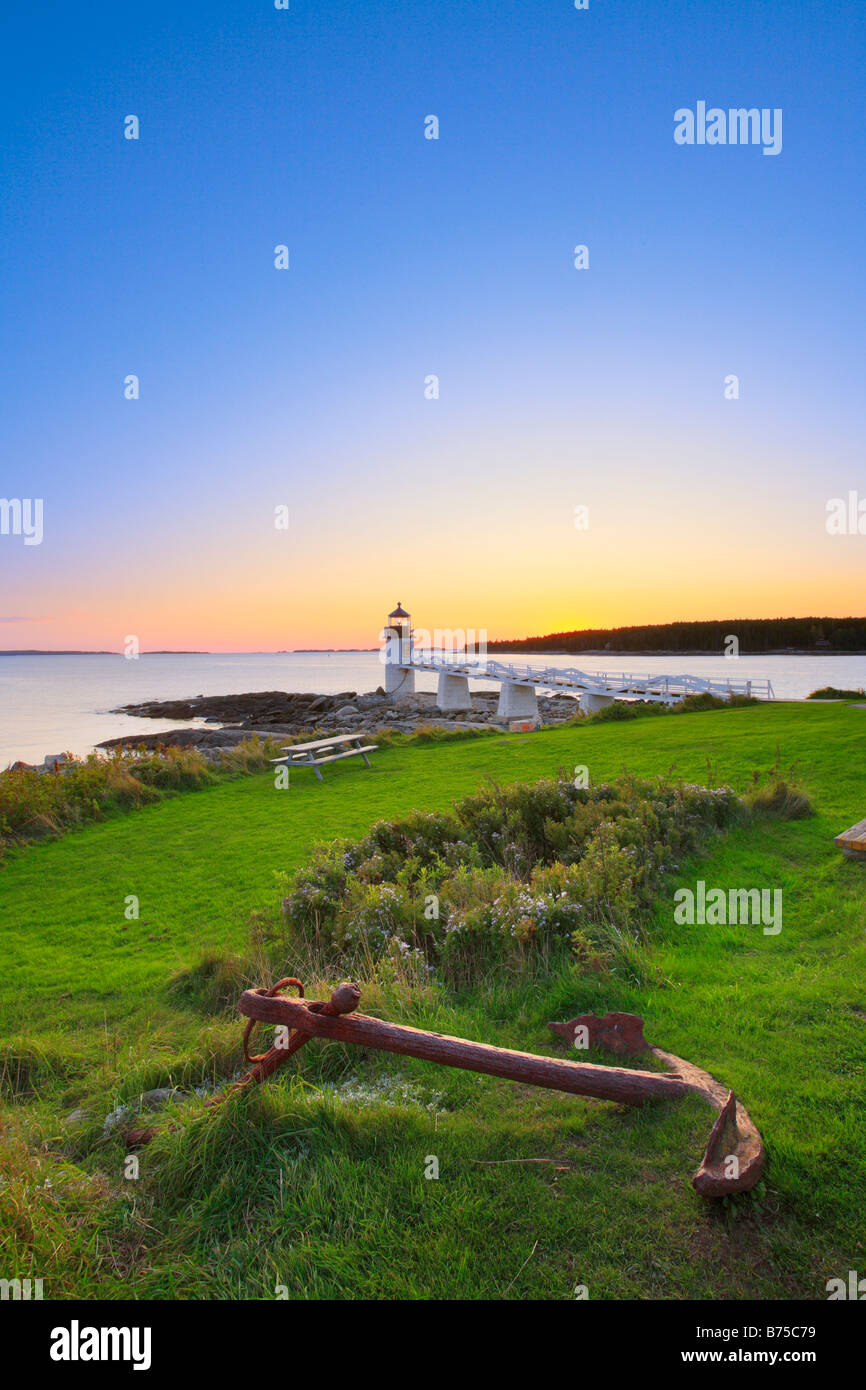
{"x":304,"y":387}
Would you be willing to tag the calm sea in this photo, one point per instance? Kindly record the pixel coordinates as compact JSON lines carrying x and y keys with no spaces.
{"x":55,"y":704}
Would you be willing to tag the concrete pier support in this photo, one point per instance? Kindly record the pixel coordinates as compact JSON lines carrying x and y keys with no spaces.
{"x":399,"y":680}
{"x":453,"y":692}
{"x":517,"y":701}
{"x":590,"y":701}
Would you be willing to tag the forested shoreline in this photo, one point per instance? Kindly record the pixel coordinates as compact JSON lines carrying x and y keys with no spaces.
{"x":756,"y":635}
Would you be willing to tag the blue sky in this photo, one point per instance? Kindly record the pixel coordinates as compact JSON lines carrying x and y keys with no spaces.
{"x":408,"y":257}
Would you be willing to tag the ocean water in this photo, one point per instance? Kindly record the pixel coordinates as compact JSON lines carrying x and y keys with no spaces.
{"x":56,"y":704}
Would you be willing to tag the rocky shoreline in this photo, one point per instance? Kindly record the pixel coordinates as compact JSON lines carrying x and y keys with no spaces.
{"x":274,"y":713}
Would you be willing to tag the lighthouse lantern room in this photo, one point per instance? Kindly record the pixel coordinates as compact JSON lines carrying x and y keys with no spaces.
{"x":399,"y":673}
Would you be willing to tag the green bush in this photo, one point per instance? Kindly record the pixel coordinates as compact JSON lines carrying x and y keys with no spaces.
{"x":689,"y":704}
{"x":35,"y":803}
{"x":695,"y":704}
{"x":829,"y":692}
{"x":779,"y":801}
{"x":622,"y":709}
{"x":506,"y":871}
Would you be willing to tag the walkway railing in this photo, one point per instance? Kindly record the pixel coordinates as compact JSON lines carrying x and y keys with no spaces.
{"x":626,"y":684}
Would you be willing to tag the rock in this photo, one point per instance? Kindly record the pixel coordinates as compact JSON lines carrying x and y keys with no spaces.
{"x":222,"y":737}
{"x":75,"y":1119}
{"x":148,"y":1100}
{"x":152,"y":1100}
{"x":226,"y":720}
{"x":53,"y":760}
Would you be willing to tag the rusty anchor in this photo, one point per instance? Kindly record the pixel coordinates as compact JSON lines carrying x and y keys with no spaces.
{"x":734,"y":1157}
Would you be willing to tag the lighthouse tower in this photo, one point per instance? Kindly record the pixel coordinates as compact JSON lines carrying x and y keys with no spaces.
{"x":397,"y":654}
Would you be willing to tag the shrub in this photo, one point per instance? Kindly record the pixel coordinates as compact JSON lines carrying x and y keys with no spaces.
{"x":779,"y":801}
{"x":689,"y":704}
{"x":622,"y":709}
{"x":436,"y":733}
{"x":829,"y":692}
{"x":35,"y":803}
{"x":507,"y":871}
{"x":695,"y":704}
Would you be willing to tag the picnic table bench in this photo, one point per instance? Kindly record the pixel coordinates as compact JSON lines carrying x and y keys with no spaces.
{"x":852,"y":842}
{"x":304,"y":754}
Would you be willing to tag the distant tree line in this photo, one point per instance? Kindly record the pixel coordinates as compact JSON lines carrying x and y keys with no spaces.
{"x":753,"y":635}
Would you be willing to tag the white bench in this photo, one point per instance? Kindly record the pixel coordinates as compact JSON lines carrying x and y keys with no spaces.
{"x":305,"y":754}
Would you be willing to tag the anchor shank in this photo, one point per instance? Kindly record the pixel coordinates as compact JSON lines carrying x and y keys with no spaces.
{"x":630,"y":1087}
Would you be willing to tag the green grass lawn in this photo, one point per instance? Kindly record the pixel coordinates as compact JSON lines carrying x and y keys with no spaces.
{"x":323,"y":1191}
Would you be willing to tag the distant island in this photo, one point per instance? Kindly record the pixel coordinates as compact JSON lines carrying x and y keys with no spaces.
{"x":755,"y":636}
{"x":44,"y":651}
{"x":182,"y":651}
{"x":50,"y":651}
{"x":759,"y":636}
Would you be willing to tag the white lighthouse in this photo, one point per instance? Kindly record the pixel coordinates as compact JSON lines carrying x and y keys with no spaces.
{"x":399,"y":671}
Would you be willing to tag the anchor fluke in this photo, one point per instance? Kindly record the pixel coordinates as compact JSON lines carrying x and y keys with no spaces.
{"x":734,"y":1158}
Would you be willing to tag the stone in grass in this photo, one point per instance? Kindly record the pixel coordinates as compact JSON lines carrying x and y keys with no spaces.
{"x":154,"y":1100}
{"x":148,"y":1100}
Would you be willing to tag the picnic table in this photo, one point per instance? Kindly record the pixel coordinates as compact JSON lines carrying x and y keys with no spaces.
{"x":852,"y":842}
{"x":305,"y":754}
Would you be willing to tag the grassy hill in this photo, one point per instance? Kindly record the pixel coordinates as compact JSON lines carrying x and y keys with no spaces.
{"x":316,"y":1182}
